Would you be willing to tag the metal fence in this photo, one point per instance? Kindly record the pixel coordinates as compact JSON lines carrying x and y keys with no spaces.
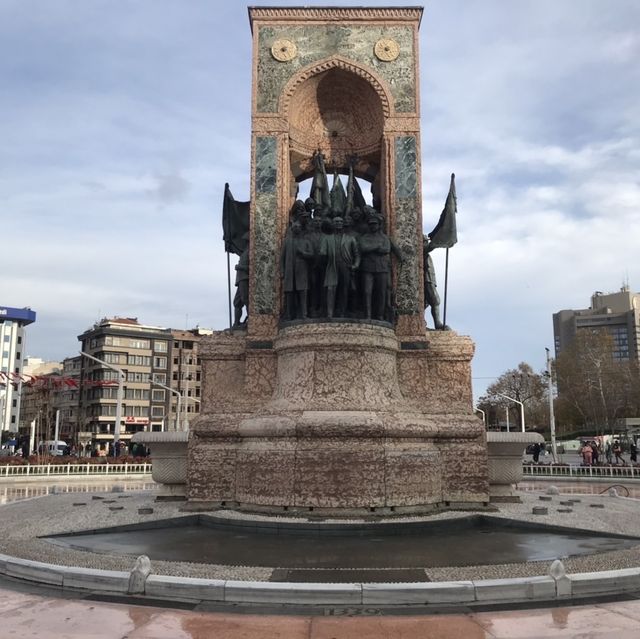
{"x":575,"y":471}
{"x":74,"y":470}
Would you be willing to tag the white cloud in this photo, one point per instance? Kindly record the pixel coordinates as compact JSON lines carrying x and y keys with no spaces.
{"x":119,"y":134}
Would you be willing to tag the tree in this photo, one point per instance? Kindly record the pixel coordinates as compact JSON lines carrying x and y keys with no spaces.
{"x":523,"y":385}
{"x":595,"y":389}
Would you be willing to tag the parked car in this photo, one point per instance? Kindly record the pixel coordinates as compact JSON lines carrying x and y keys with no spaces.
{"x":55,"y":448}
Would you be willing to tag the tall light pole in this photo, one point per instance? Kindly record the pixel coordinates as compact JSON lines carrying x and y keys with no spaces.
{"x":121,"y":378}
{"x":517,"y":402}
{"x":178,"y":407}
{"x":484,"y":416}
{"x":552,"y":418}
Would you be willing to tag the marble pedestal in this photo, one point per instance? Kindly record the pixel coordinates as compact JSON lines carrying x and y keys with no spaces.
{"x":169,"y":457}
{"x":505,"y":462}
{"x":337,"y":419}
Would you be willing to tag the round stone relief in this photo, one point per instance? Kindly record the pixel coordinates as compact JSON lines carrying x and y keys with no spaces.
{"x":284,"y":50}
{"x":386,"y":49}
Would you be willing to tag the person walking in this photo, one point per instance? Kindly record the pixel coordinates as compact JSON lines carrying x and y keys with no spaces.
{"x":587,"y":453}
{"x":617,"y":451}
{"x":633,"y":452}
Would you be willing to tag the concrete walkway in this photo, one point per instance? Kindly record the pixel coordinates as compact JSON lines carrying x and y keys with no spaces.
{"x":23,"y":614}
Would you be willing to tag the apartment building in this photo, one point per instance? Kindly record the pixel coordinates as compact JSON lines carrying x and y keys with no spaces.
{"x":13,"y":322}
{"x":186,"y":374}
{"x":617,"y":313}
{"x":143,"y":354}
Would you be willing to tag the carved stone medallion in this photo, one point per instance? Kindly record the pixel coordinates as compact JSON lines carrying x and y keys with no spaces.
{"x":284,"y":50}
{"x":386,"y":49}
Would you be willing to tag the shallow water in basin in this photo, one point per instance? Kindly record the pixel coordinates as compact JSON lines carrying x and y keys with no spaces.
{"x":456,"y":544}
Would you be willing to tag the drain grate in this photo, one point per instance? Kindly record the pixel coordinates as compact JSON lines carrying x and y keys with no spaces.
{"x":345,"y":576}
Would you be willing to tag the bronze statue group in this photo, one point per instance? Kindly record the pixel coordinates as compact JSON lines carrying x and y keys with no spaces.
{"x":337,"y":264}
{"x":336,"y":257}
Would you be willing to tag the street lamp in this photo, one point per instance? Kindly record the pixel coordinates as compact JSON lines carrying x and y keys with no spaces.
{"x":517,"y":402}
{"x":552,"y":418}
{"x":484,"y":416}
{"x":178,"y":407}
{"x":121,"y":378}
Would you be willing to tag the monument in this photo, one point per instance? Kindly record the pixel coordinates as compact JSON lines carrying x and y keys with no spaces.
{"x":333,"y":397}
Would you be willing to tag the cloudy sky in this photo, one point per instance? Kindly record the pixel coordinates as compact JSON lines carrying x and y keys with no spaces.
{"x":121,"y":120}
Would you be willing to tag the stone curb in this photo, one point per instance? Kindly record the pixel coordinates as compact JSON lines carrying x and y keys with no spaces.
{"x":484,"y":591}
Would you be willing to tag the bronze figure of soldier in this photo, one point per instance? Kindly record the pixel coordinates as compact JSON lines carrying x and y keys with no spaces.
{"x":241,"y":298}
{"x":431,"y":297}
{"x":342,"y":256}
{"x":375,"y":266}
{"x":294,"y":269}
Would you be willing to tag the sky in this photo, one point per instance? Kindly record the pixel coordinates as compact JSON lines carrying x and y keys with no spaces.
{"x":121,"y":120}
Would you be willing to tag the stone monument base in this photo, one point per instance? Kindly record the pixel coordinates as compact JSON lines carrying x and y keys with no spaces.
{"x":337,"y":419}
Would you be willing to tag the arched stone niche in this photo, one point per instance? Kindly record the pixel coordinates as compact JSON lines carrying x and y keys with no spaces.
{"x":339,"y":112}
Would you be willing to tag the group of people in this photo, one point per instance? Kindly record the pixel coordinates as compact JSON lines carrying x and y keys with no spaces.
{"x":592,"y":452}
{"x":336,"y":264}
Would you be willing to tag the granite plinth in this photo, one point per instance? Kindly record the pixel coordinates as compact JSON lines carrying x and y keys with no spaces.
{"x":353,"y":424}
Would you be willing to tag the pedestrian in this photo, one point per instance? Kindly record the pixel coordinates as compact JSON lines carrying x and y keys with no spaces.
{"x":607,"y":453}
{"x":633,"y":452}
{"x":595,"y":452}
{"x":536,"y":453}
{"x":587,"y":453}
{"x":617,"y":451}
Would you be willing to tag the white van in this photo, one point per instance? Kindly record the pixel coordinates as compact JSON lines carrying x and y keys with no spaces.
{"x":52,"y":448}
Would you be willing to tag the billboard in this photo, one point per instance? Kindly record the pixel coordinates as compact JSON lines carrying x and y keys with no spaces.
{"x":23,"y":315}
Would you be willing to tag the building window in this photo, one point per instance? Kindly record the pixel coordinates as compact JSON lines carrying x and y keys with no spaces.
{"x":140,"y":343}
{"x":161,"y":378}
{"x":139,"y":360}
{"x":157,"y":395}
{"x":159,"y":362}
{"x":139,"y":378}
{"x":112,"y":358}
{"x":160,"y":347}
{"x":157,"y":411}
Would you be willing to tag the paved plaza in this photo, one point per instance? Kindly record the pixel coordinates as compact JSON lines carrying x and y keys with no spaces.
{"x":23,"y":614}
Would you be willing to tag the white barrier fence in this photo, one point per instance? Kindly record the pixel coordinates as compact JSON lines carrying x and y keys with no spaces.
{"x":74,"y":470}
{"x":575,"y":471}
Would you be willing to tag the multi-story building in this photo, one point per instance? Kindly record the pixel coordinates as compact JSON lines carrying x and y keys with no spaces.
{"x":67,"y":399}
{"x":12,"y":348}
{"x":186,"y":373}
{"x":40,"y":383}
{"x":143,"y":354}
{"x":617,"y":313}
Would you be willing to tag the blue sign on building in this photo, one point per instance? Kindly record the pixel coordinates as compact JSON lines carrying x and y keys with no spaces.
{"x":22,"y":315}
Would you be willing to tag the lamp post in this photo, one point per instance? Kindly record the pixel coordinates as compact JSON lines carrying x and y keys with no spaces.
{"x":552,"y":418}
{"x":178,"y":407}
{"x":517,"y":402}
{"x":121,"y":378}
{"x":484,"y":416}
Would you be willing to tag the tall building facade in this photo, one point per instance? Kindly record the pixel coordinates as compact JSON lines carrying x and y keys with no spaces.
{"x":186,"y":373}
{"x":617,"y":313}
{"x":143,"y":353}
{"x":12,"y":349}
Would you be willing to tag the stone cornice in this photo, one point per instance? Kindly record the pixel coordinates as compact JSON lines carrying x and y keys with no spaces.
{"x":335,"y":14}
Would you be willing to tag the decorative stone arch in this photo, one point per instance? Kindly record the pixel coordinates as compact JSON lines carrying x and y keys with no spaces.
{"x":320,"y":66}
{"x":340,"y":107}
